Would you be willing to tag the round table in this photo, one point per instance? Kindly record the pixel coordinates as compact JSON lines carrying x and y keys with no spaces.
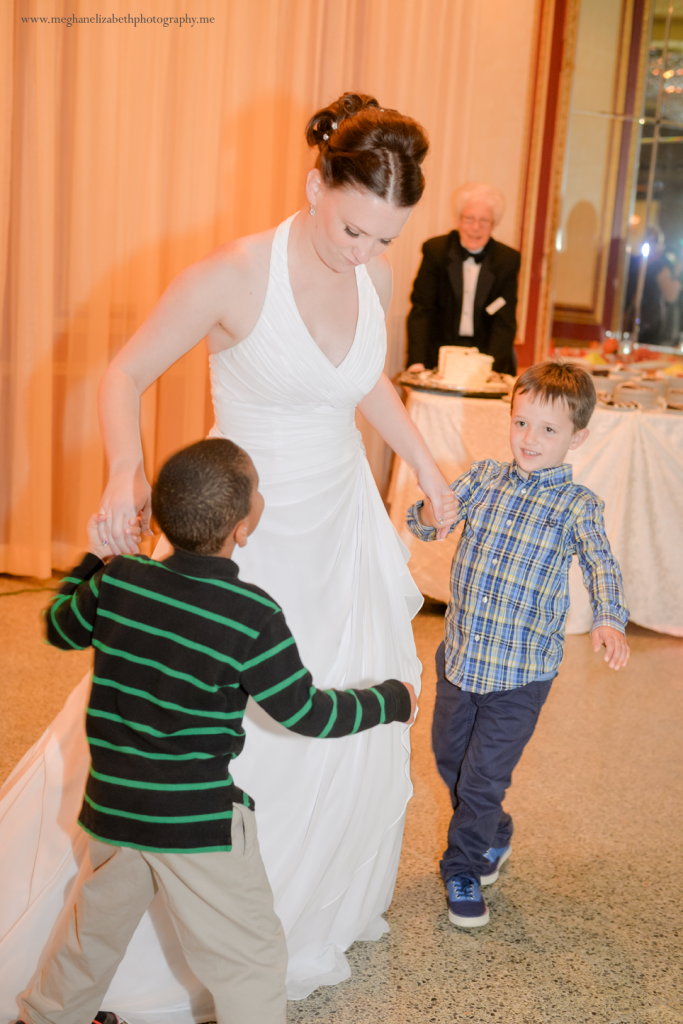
{"x":633,"y":460}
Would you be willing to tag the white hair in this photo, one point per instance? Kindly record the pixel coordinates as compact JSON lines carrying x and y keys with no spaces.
{"x":479,"y":190}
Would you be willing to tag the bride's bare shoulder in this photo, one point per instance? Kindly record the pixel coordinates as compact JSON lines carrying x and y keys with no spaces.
{"x":232,"y":282}
{"x":245,"y":249}
{"x":244,"y":261}
{"x":242,"y":258}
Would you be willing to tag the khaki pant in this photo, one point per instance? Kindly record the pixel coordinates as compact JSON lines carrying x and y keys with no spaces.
{"x":221,"y":906}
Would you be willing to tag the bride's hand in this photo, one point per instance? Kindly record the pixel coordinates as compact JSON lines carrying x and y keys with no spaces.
{"x":413,"y":703}
{"x":101,"y":548}
{"x":126,"y":500}
{"x":443,"y":502}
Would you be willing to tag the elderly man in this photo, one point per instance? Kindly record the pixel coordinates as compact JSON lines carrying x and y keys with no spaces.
{"x":465,"y":292}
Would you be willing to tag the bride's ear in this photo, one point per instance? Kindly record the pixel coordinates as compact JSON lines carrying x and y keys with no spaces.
{"x":314,"y":184}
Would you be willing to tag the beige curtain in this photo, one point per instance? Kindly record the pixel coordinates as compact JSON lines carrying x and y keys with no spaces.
{"x":129,"y":151}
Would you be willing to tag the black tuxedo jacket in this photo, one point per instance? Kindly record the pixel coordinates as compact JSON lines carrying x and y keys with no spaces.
{"x":434,"y":319}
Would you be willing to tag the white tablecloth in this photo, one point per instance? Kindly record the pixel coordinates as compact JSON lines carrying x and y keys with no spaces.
{"x":632,"y":460}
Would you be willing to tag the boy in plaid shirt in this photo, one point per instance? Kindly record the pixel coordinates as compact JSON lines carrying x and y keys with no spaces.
{"x":504,"y":636}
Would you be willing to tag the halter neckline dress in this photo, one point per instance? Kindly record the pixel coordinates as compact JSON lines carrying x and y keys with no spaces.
{"x":330,"y":813}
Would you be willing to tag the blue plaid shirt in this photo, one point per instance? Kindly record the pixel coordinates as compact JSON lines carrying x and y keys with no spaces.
{"x":510,"y":596}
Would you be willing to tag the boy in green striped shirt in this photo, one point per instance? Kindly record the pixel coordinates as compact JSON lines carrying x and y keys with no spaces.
{"x":180,"y":645}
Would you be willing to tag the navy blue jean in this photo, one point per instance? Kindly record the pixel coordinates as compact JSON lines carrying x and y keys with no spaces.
{"x":478,"y":738}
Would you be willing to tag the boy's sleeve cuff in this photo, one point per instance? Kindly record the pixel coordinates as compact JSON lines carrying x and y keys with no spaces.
{"x":91,"y":563}
{"x":417,"y":528}
{"x":401,"y":700}
{"x":605,"y":619}
{"x":81,"y":573}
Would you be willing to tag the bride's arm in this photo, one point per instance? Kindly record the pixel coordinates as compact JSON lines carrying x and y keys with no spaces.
{"x":384,"y":410}
{"x":191,"y":307}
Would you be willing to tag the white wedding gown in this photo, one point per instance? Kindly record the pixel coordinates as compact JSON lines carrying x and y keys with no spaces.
{"x":330,"y":813}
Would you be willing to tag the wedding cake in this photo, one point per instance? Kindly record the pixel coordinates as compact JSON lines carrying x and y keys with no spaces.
{"x":464,"y":367}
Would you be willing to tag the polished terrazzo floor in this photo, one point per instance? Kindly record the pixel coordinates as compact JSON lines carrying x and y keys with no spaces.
{"x":586,"y":919}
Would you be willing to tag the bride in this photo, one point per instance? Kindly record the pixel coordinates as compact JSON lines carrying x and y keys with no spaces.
{"x":294,"y":323}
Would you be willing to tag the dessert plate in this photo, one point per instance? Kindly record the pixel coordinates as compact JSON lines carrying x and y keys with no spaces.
{"x":497,"y":386}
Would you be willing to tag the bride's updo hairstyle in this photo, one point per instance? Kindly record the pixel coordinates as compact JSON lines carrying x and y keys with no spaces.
{"x":369,"y":149}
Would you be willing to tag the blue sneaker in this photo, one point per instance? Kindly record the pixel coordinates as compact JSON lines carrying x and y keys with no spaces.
{"x":466,"y":907}
{"x":497,"y":855}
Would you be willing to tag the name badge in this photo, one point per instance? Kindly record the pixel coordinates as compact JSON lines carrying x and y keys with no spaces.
{"x":494,"y":306}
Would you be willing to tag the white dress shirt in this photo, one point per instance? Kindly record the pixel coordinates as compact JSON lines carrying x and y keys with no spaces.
{"x":470,"y":276}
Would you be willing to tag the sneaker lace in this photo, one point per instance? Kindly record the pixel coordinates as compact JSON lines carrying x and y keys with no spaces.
{"x":464,"y":888}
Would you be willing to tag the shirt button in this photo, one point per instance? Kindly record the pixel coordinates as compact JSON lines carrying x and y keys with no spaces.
{"x":509,"y":522}
{"x":494,"y":561}
{"x":485,"y":599}
{"x":524,"y":492}
{"x":477,"y":637}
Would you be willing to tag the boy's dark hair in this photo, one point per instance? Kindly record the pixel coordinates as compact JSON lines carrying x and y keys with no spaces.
{"x":201,"y":492}
{"x":554,"y":379}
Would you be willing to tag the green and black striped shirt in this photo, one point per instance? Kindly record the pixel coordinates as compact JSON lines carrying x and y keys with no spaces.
{"x":180,"y":645}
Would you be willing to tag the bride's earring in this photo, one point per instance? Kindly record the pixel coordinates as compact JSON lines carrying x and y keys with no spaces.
{"x":311,"y":210}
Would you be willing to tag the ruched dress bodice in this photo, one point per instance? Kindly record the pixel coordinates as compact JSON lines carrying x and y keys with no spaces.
{"x":279,"y":370}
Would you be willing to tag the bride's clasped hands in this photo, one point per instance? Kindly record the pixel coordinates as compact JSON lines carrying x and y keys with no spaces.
{"x":444,"y":506}
{"x":125,"y":511}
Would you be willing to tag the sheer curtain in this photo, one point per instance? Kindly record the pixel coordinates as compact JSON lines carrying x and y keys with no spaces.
{"x":129,"y":151}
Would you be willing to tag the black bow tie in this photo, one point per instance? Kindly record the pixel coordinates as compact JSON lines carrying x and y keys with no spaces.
{"x":476,"y":256}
